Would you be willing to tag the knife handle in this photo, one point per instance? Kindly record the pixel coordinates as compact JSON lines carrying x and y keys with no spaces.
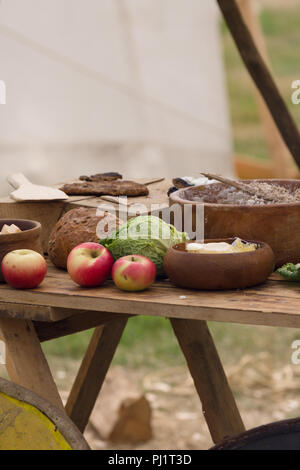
{"x":17,"y":179}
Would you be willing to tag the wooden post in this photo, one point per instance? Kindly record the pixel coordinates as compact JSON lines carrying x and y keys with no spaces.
{"x":93,"y":370}
{"x":219,"y":407}
{"x":25,"y":360}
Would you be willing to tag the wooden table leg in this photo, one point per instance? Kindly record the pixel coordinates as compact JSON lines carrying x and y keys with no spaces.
{"x":219,"y":407}
{"x":93,"y":370}
{"x":25,"y":361}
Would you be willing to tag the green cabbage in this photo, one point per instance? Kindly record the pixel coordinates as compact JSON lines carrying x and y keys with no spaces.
{"x":290,"y":271}
{"x":144,"y":235}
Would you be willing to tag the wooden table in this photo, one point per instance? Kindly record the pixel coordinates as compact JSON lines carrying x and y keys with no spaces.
{"x":59,"y":308}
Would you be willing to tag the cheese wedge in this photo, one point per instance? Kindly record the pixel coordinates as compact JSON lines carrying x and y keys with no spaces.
{"x":10,"y":229}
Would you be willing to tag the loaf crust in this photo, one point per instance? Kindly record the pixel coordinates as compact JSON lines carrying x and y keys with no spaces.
{"x":75,"y":227}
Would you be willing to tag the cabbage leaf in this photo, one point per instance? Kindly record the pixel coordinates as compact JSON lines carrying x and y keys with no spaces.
{"x":144,"y":235}
{"x":290,"y":271}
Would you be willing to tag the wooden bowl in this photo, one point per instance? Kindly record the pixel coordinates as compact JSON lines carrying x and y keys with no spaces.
{"x":216,"y":271}
{"x":278,"y":225}
{"x":28,"y":238}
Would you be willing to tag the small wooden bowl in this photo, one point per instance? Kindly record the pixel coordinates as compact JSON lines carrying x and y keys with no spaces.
{"x":217,"y":271}
{"x":28,"y":238}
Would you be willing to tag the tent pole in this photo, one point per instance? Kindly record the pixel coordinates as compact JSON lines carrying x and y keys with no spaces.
{"x":261,"y":76}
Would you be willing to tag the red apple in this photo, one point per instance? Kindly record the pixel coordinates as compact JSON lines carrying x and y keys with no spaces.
{"x":133,"y":273}
{"x":23,"y":269}
{"x":89,"y":264}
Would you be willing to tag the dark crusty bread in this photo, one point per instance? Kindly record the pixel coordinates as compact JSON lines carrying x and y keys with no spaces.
{"x":102,"y":177}
{"x":109,"y":188}
{"x":75,"y":227}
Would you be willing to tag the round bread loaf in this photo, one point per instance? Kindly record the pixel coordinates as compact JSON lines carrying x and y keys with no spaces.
{"x":78,"y":226}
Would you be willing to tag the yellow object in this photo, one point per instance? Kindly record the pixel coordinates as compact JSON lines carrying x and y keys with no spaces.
{"x":238,"y":246}
{"x":24,"y":427}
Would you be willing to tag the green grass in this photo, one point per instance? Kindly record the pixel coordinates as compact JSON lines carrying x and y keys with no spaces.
{"x":69,"y":346}
{"x":146,"y":340}
{"x":281,"y":32}
{"x":150,"y":341}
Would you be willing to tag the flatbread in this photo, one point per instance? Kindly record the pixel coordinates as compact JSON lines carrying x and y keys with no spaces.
{"x":110,"y":188}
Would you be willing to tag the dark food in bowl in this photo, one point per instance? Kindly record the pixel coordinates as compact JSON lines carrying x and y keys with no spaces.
{"x":219,"y":193}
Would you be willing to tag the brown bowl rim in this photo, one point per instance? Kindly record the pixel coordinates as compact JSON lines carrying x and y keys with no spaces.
{"x":260,"y":244}
{"x":10,"y":236}
{"x":176,"y":196}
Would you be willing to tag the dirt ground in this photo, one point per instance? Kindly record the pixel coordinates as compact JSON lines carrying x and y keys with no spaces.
{"x":262,"y":393}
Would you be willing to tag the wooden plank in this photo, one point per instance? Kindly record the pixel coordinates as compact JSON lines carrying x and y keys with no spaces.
{"x":25,"y":312}
{"x":157,"y":196}
{"x":219,"y":407}
{"x":44,"y":313}
{"x":26,"y":363}
{"x":275,"y":303}
{"x":276,"y":277}
{"x":80,"y":321}
{"x":261,"y":76}
{"x":93,"y":370}
{"x":233,"y":315}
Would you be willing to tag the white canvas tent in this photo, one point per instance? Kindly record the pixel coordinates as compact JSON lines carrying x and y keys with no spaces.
{"x":135,"y":86}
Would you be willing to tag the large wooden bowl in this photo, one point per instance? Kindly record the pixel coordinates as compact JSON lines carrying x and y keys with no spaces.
{"x":278,"y":225}
{"x":28,"y":238}
{"x":210,"y":271}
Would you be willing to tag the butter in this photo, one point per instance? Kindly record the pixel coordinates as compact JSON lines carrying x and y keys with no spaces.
{"x":220,"y":247}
